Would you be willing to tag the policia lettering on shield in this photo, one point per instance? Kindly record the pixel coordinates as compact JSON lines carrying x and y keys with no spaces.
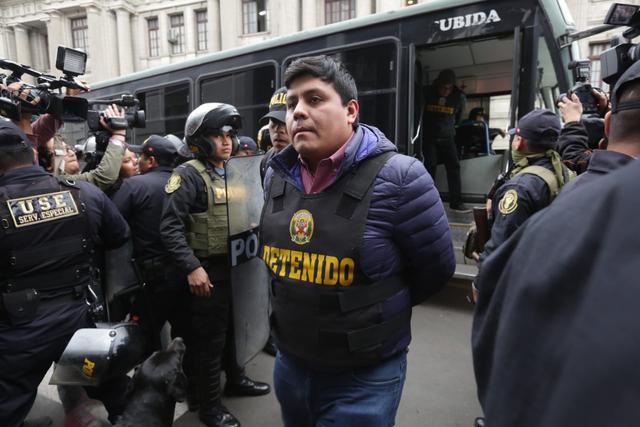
{"x":195,"y":231}
{"x":50,"y":229}
{"x":353,"y":234}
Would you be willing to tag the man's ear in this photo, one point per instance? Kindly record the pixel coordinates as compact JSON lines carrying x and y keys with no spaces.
{"x":519,"y":144}
{"x":353,"y":108}
{"x":607,"y":123}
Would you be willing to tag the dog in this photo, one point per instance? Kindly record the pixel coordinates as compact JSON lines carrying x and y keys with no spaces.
{"x":151,"y":395}
{"x":154,"y":389}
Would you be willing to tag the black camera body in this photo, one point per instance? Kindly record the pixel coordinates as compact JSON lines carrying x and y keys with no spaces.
{"x":66,"y":108}
{"x":583,"y":90}
{"x":617,"y":59}
{"x":133,"y":118}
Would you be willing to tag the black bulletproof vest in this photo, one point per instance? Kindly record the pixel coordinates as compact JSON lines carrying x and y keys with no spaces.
{"x":326,"y":311}
{"x":44,"y":231}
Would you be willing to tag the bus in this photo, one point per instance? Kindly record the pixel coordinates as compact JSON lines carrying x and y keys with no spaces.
{"x":509,"y":57}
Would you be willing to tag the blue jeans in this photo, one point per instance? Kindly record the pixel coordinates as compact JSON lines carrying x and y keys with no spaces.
{"x":361,"y":397}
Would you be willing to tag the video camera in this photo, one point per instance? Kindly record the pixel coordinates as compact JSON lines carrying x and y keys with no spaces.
{"x":622,"y":54}
{"x":134,"y":117}
{"x":66,"y":108}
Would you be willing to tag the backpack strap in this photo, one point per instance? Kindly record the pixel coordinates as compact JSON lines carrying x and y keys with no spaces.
{"x":546,"y":175}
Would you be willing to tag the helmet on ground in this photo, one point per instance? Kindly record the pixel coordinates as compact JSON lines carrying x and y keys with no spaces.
{"x":210,"y":119}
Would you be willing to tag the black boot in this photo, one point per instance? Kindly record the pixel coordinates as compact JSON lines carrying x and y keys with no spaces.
{"x":270,"y":347}
{"x":245,"y":386}
{"x":212,"y":412}
{"x":218,"y":416}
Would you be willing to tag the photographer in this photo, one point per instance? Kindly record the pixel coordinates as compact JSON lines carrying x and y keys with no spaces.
{"x":620,"y":124}
{"x":574,"y":142}
{"x":61,"y":159}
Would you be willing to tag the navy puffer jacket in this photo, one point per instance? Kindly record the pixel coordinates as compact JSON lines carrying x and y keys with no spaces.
{"x":406,"y":229}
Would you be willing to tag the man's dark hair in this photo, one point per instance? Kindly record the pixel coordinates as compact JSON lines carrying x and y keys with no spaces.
{"x":326,"y":69}
{"x":16,"y":156}
{"x":624,"y":124}
{"x":164,"y":160}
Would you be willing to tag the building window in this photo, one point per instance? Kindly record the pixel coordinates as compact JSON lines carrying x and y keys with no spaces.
{"x":254,"y":16}
{"x":176,"y":33}
{"x":79,"y":33}
{"x":339,"y":10}
{"x":201,"y":29}
{"x":595,"y":49}
{"x":154,"y":36}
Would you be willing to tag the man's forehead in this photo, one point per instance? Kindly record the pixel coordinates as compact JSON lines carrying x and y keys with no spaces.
{"x":306,"y":84}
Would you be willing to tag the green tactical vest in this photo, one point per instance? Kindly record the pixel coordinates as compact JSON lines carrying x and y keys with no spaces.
{"x":548,"y":177}
{"x":209,"y":231}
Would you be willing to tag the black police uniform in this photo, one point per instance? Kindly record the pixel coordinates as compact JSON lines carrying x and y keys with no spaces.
{"x":441,"y":114}
{"x":47,"y":240}
{"x":601,"y":163}
{"x":555,"y":331}
{"x":514,"y":202}
{"x":209,"y":316}
{"x":166,"y":294}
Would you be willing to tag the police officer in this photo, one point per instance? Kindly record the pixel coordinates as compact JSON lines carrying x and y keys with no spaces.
{"x":50,"y":230}
{"x":140,"y":200}
{"x":444,"y":105}
{"x":555,"y":336}
{"x":194,"y":230}
{"x":534,"y":181}
{"x":275,"y":120}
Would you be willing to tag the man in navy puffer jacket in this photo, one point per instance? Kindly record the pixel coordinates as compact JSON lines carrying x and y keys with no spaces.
{"x":354,"y":235}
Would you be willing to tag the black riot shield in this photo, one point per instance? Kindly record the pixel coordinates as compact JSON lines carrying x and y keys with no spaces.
{"x":249,"y":275}
{"x":120,"y":276}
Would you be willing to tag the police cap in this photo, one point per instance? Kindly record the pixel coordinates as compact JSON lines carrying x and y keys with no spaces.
{"x":156,"y":146}
{"x":247,"y":143}
{"x":277,"y":106}
{"x":540,"y":127}
{"x":632,"y":74}
{"x":11,"y":136}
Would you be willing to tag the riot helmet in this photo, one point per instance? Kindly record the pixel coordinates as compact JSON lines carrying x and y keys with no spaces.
{"x":211,"y":119}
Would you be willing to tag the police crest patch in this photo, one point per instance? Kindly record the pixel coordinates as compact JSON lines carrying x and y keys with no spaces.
{"x":301,"y":227}
{"x":509,"y":202}
{"x":173,"y":183}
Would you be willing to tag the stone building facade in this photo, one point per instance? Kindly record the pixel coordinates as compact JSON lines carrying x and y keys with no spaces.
{"x":123,"y":36}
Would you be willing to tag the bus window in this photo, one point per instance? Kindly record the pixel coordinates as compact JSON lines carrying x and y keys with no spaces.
{"x":484,"y":72}
{"x":176,"y":109}
{"x":166,"y":110}
{"x":374,"y":70}
{"x":249,"y":90}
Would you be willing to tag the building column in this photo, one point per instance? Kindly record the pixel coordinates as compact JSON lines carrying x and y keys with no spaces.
{"x":363,"y":8}
{"x":4,"y":45}
{"x":189,"y":30}
{"x":97,"y":54}
{"x":213,"y":25}
{"x":125,"y":54}
{"x":55,"y":34}
{"x":23,"y":51}
{"x":309,"y":15}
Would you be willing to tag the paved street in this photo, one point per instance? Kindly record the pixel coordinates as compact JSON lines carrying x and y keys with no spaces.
{"x":439,"y":391}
